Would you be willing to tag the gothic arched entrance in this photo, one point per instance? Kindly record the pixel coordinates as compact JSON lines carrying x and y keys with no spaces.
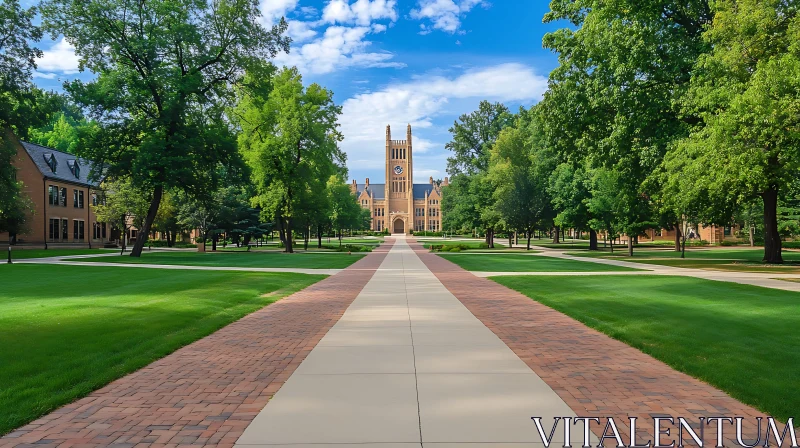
{"x":399,"y":226}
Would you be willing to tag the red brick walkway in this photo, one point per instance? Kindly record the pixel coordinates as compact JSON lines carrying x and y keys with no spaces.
{"x":594,"y":374}
{"x":207,"y":392}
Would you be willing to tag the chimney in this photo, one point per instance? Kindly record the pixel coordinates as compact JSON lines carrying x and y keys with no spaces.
{"x":446,"y":182}
{"x":430,"y":180}
{"x":367,"y":183}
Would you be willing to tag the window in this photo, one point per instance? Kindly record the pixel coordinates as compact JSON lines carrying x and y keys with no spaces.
{"x":80,"y":199}
{"x":50,"y":159}
{"x":727,"y":231}
{"x":62,"y":197}
{"x":52,"y":193}
{"x":75,"y":198}
{"x":94,"y":199}
{"x":54,"y":229}
{"x":77,"y":230}
{"x":64,"y":229}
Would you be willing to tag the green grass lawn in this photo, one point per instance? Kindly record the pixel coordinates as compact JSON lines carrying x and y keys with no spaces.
{"x":470,"y":244}
{"x":68,"y":330}
{"x":740,"y":338}
{"x":252,"y":259}
{"x":525,"y":263}
{"x":20,"y":254}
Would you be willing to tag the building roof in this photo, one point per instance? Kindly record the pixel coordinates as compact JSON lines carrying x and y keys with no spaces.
{"x":421,"y":189}
{"x":65,"y":164}
{"x":378,"y":191}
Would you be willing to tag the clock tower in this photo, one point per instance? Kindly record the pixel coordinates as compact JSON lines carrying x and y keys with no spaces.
{"x":399,"y":206}
{"x":399,"y":181}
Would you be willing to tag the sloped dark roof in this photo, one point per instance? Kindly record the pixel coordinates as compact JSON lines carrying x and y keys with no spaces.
{"x":421,"y":189}
{"x":65,"y":163}
{"x":377,"y":191}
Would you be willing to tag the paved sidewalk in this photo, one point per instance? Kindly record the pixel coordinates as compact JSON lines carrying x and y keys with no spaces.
{"x":594,"y":374}
{"x":408,"y":365}
{"x":206,"y":393}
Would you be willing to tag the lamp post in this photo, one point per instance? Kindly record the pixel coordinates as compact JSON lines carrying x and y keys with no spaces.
{"x":9,"y":251}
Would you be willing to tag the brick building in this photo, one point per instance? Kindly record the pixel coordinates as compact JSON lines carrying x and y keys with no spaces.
{"x":400,"y":205}
{"x":62,"y":193}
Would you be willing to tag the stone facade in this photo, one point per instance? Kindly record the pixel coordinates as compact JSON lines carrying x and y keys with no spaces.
{"x":400,"y":205}
{"x":62,"y":195}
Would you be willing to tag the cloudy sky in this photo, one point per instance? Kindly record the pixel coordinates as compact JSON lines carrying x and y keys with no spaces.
{"x":396,"y":62}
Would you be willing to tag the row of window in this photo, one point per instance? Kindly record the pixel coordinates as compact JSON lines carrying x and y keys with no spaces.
{"x":399,"y":185}
{"x":379,"y":212}
{"x":59,"y":230}
{"x":431,"y":212}
{"x":434,"y":226}
{"x":433,"y":202}
{"x":378,"y":224}
{"x":399,"y":153}
{"x":58,"y":196}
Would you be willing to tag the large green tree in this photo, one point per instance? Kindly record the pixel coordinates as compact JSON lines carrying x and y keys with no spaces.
{"x":17,"y":61}
{"x":165,"y":71}
{"x":520,"y":181}
{"x":473,"y":136}
{"x":613,"y":99}
{"x":747,"y":92}
{"x":290,"y":141}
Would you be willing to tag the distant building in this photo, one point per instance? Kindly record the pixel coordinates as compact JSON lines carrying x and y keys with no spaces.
{"x":400,"y":205}
{"x":59,"y":187}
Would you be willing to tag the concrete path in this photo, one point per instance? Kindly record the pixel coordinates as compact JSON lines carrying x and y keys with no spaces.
{"x":407,"y":365}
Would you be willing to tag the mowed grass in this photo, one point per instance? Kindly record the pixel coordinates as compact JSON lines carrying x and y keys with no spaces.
{"x":468,"y":244}
{"x":525,"y":263}
{"x":740,"y":338}
{"x":251,"y":259}
{"x":68,"y":330}
{"x":24,"y":254}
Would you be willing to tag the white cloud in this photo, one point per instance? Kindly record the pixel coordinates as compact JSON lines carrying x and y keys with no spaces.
{"x":337,"y":48}
{"x":45,"y":75}
{"x":60,"y":57}
{"x":360,"y":12}
{"x":424,"y":99}
{"x":300,"y":31}
{"x":273,"y":10}
{"x":443,"y":15}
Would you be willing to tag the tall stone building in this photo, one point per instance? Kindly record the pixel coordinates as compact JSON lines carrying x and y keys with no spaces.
{"x":400,"y":205}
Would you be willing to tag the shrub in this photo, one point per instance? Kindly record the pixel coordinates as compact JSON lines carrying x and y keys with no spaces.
{"x":791,"y":244}
{"x":178,"y":244}
{"x":348,"y":248}
{"x":728,"y":243}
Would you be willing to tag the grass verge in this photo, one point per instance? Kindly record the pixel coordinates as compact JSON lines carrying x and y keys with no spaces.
{"x":525,"y":263}
{"x":69,"y":330}
{"x":252,"y":259}
{"x":740,"y":338}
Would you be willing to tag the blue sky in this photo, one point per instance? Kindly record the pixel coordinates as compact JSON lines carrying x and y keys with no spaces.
{"x":396,"y":62}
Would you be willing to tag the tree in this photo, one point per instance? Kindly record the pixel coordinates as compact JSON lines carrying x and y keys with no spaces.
{"x":345,"y":211}
{"x":199,"y":214}
{"x":165,"y":73}
{"x":568,"y":186}
{"x":122,"y":205}
{"x":17,"y":61}
{"x":519,"y":180}
{"x":167,"y":221}
{"x":613,"y":101}
{"x":473,"y":136}
{"x":747,"y":92}
{"x":290,"y":141}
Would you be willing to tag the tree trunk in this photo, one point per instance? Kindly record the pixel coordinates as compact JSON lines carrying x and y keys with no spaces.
{"x":772,"y":240}
{"x":307,"y":236}
{"x":630,"y":246}
{"x":677,"y":237}
{"x":751,"y":229}
{"x":214,"y":242}
{"x":510,"y":239}
{"x":556,"y":236}
{"x":593,"y":240}
{"x":158,"y":192}
{"x":683,"y":245}
{"x":289,"y":243}
{"x":319,"y":236}
{"x":529,"y":239}
{"x":490,"y":238}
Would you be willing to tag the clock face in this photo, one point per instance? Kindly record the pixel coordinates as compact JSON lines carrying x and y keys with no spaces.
{"x":398,"y":169}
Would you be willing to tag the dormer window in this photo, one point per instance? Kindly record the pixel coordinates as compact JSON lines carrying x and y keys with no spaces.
{"x":50,"y":159}
{"x":75,"y":168}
